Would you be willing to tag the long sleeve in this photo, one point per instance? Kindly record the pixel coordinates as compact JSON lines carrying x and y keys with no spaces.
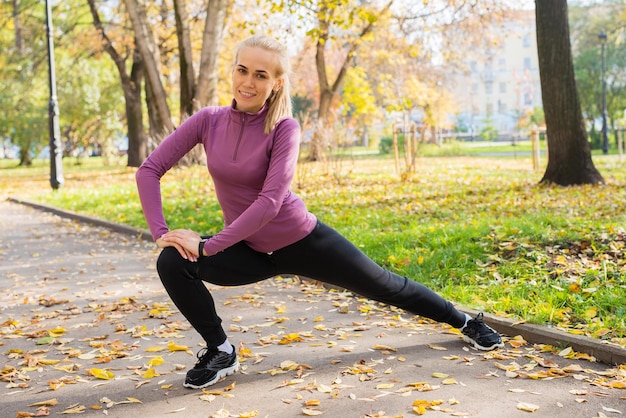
{"x":163,"y":158}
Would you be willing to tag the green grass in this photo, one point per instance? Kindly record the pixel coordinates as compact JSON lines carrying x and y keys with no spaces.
{"x":480,"y":231}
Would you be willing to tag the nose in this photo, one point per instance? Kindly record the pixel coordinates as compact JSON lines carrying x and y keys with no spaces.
{"x":249,"y":80}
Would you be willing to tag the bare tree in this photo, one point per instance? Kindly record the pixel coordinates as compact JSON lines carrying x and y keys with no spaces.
{"x":569,"y":160}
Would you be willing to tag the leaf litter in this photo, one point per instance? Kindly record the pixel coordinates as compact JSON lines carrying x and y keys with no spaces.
{"x":96,"y":345}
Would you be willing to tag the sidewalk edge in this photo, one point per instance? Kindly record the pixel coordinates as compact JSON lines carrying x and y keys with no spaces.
{"x":124,"y":229}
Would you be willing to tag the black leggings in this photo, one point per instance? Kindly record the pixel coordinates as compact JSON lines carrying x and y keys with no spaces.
{"x":323,"y":255}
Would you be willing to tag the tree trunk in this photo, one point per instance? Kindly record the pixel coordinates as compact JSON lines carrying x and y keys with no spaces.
{"x":569,"y":157}
{"x":212,"y":40}
{"x":131,"y":86}
{"x":187,"y":78}
{"x":145,"y":44}
{"x":138,"y":145}
{"x":328,"y":90}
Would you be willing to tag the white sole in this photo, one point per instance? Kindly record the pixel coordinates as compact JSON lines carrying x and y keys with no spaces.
{"x":220,"y":375}
{"x":480,"y":347}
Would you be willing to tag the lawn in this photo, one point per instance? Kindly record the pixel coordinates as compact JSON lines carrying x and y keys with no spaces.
{"x":477,"y":228}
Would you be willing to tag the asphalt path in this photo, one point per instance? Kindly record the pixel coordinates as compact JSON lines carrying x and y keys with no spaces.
{"x":86,"y":328}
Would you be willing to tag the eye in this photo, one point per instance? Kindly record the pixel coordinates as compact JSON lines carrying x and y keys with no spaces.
{"x":241,"y":70}
{"x":261,"y":76}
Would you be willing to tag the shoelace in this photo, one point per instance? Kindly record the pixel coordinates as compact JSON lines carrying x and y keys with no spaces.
{"x":205,"y":355}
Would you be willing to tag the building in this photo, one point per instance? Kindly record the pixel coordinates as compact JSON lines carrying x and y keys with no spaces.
{"x":499,"y":82}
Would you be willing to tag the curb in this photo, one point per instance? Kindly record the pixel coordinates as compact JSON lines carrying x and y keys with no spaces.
{"x":143,"y":235}
{"x":534,"y":334}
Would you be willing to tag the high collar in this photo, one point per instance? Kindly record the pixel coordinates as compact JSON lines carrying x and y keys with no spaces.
{"x":250,"y":118}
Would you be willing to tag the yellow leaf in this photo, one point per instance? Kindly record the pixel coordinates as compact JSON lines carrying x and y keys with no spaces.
{"x":449,"y":382}
{"x":289,"y":338}
{"x":528,"y":407}
{"x":384,"y":386}
{"x":439,"y":375}
{"x":57,"y":332}
{"x":50,"y":402}
{"x":172,"y":346}
{"x":566,"y":352}
{"x":101,"y":374}
{"x":384,"y":348}
{"x":437,"y":347}
{"x":48,"y":362}
{"x":313,"y":402}
{"x":311,"y":412}
{"x":249,"y":414}
{"x":76,"y":410}
{"x":156,"y":361}
{"x":288,"y":365}
{"x":150,"y":373}
{"x":591,"y":313}
{"x":324,"y":389}
{"x":155,"y":349}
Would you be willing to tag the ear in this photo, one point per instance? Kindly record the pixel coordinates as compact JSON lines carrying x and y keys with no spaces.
{"x":278,"y":85}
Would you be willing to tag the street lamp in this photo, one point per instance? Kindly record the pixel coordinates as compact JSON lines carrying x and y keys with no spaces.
{"x":56,"y":152}
{"x":605,"y":139}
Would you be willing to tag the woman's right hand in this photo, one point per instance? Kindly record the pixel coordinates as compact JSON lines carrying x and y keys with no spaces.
{"x":179,"y":240}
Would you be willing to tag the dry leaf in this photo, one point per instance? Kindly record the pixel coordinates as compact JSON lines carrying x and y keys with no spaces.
{"x":50,"y":402}
{"x":528,"y":407}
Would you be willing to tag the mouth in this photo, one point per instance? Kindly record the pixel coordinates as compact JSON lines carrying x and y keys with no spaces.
{"x":246,"y":94}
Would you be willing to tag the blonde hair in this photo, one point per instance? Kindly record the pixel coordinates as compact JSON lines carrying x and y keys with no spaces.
{"x":279,"y":102}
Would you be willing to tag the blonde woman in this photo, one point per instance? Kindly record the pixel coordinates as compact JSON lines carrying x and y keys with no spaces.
{"x":252,"y":150}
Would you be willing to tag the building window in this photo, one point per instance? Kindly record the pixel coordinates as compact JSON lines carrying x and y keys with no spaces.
{"x":527,"y":63}
{"x":489,"y":108}
{"x":528,"y":99}
{"x":501,"y":106}
{"x":488,"y":88}
{"x":503,"y":87}
{"x":474,"y":87}
{"x":526,"y":41}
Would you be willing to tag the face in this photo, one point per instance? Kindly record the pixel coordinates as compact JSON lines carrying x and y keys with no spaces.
{"x":254,"y":78}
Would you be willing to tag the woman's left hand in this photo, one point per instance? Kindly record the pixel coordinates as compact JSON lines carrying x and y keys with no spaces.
{"x":184,"y":239}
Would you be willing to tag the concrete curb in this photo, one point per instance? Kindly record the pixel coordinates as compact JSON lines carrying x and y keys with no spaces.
{"x":124,"y":229}
{"x":603,"y":352}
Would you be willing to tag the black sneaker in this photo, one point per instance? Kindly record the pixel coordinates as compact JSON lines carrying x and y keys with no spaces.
{"x":211,"y":366}
{"x":481,"y":335}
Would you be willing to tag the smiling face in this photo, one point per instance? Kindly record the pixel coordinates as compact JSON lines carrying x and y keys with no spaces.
{"x":254,"y":78}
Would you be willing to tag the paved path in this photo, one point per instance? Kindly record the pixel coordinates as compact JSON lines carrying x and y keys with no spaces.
{"x":81,"y":303}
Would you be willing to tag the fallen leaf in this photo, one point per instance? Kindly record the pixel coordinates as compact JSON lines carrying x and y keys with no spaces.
{"x":528,"y":407}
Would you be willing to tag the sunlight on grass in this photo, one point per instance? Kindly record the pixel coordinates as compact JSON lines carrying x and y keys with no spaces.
{"x":481,"y":231}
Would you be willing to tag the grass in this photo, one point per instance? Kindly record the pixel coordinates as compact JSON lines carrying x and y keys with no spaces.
{"x":479,"y":230}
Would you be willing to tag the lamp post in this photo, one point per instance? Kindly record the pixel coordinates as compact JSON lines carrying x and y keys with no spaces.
{"x":56,"y":152}
{"x":605,"y":139}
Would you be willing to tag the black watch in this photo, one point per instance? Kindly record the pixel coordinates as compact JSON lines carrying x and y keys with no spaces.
{"x":201,"y":248}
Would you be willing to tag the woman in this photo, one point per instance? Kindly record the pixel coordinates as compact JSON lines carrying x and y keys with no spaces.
{"x":252,"y":149}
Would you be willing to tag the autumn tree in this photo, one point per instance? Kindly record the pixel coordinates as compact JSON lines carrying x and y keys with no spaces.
{"x":194,"y":95}
{"x":131,"y":82}
{"x":89,"y":107}
{"x":569,"y":160}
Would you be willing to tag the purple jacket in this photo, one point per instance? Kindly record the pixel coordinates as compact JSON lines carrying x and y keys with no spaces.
{"x":251,"y":172}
